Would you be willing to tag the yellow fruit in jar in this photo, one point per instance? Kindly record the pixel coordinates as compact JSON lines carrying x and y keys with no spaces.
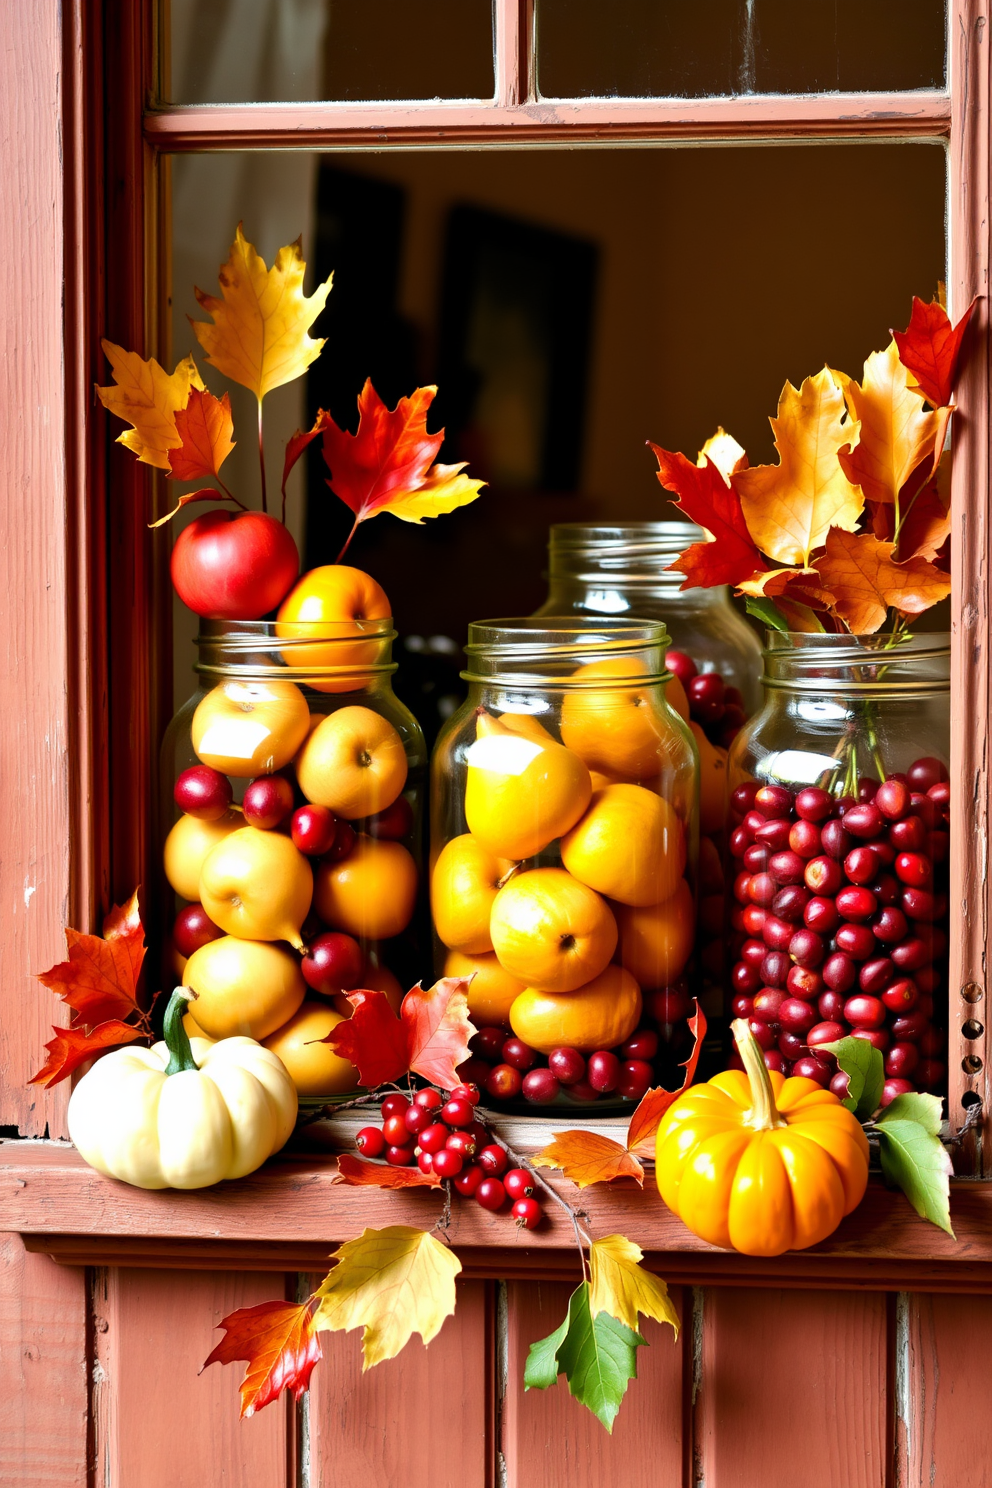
{"x":313,"y":1067}
{"x":521,"y":793}
{"x":250,"y":728}
{"x":551,"y":931}
{"x":189,"y":844}
{"x":630,"y":846}
{"x":256,"y":885}
{"x":599,"y":1015}
{"x":374,"y":979}
{"x":353,"y":763}
{"x":656,"y":941}
{"x":326,"y":608}
{"x":624,"y":730}
{"x":527,"y":726}
{"x":369,"y":894}
{"x":492,"y":992}
{"x":464,"y":885}
{"x":676,"y":699}
{"x":712,"y":782}
{"x":245,"y":987}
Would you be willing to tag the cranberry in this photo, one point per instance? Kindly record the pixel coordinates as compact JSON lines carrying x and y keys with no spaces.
{"x":432,"y":1138}
{"x":861,"y":865}
{"x":803,"y":982}
{"x":641,"y":1045}
{"x":830,"y":1006}
{"x":431,"y":1100}
{"x":940,"y":794}
{"x":775,"y":969}
{"x":540,"y":1086}
{"x":854,"y":903}
{"x":843,"y":804}
{"x":742,"y":888}
{"x":892,"y":799}
{"x":744,"y":979}
{"x":754,"y":919}
{"x":425,"y":1162}
{"x":789,"y":903}
{"x":370,"y":1141}
{"x":925,"y":772}
{"x":313,"y":830}
{"x":773,"y":800}
{"x":911,"y":954}
{"x":792,"y":1045}
{"x":811,"y":1068}
{"x":921,"y":904}
{"x":504,"y":1082}
{"x":738,"y":842}
{"x":767,"y":1004}
{"x":911,"y":1026}
{"x":877,"y":1037}
{"x":856,"y":940}
{"x":886,"y":888}
{"x":900,"y":996}
{"x":467,"y":1090}
{"x":825,"y":1033}
{"x":672,"y":1005}
{"x":753,"y":952}
{"x":463,"y":1142}
{"x":776,"y":933}
{"x":889,"y":925}
{"x":813,"y":804}
{"x":797,"y":1016}
{"x":603,"y":1071}
{"x":394,"y":1105}
{"x":774,"y":1060}
{"x":458,"y":1112}
{"x":839,"y":972}
{"x":752,"y":822}
{"x":402,"y":1157}
{"x":492,"y":1159}
{"x":864,"y":821}
{"x":741,"y":1006}
{"x":267,"y":801}
{"x":787,"y":868}
{"x":863,"y":1011}
{"x":762,"y":889}
{"x":804,"y":839}
{"x":416,"y":1118}
{"x":839,"y":1085}
{"x":891,"y":1089}
{"x":756,"y":858}
{"x":519,"y":1054}
{"x":875,"y":975}
{"x":821,"y":915}
{"x":867,"y":788}
{"x":527,"y":1214}
{"x":488,"y":1043}
{"x":773,"y":835}
{"x":684,"y":668}
{"x":332,"y":963}
{"x":192,"y":929}
{"x":763,"y":1033}
{"x":635,"y":1079}
{"x":395,"y":1129}
{"x":883,"y":852}
{"x":468,"y":1180}
{"x":823,"y":876}
{"x":901,"y":1060}
{"x":909,"y":835}
{"x":742,"y":797}
{"x":491,"y":1194}
{"x":203,"y":792}
{"x":518,"y":1183}
{"x":807,"y":948}
{"x":837,"y":842}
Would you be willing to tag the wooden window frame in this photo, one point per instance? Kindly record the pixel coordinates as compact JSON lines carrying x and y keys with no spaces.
{"x":84,"y":592}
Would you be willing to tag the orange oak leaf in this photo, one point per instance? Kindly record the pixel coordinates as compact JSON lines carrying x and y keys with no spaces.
{"x":865,"y":580}
{"x":205,"y":427}
{"x":897,"y":435}
{"x":258,"y":337}
{"x":373,"y":1038}
{"x":586,"y":1157}
{"x":929,"y":349}
{"x":280,"y":1344}
{"x":148,"y":398}
{"x":647,"y":1117}
{"x":100,"y":978}
{"x":790,"y":507}
{"x":388,"y":464}
{"x":429,"y":1038}
{"x":72,"y":1047}
{"x":707,"y":499}
{"x":359,"y":1172}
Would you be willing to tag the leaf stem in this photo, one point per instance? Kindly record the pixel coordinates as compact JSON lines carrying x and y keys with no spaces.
{"x":230,"y":494}
{"x":347,"y":541}
{"x":261,"y":457}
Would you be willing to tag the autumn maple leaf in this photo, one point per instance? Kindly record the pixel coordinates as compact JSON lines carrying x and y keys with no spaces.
{"x":929,"y":349}
{"x":896,"y":434}
{"x":651,"y":1108}
{"x":619,"y":1285}
{"x":707,"y":499}
{"x":430,"y":1036}
{"x":72,"y":1047}
{"x":100,"y":979}
{"x":865,"y":580}
{"x":204,"y":426}
{"x":360,"y":1173}
{"x":586,"y":1157}
{"x":279,"y":1342}
{"x":148,"y":398}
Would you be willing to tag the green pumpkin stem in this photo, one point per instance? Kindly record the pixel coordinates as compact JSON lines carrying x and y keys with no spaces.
{"x":175,"y":1035}
{"x":764,"y":1115}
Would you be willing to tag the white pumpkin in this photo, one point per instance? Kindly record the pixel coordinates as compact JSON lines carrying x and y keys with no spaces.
{"x":184,"y":1113}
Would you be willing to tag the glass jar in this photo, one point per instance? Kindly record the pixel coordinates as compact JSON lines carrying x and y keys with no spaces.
{"x":563,"y":845}
{"x":839,"y":809}
{"x":292,"y":830}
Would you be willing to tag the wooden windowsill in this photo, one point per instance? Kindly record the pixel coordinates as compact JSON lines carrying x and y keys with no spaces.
{"x":291,"y":1213}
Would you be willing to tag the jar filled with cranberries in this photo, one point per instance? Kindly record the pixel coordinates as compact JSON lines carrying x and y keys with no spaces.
{"x":839,"y":810}
{"x":715,"y":658}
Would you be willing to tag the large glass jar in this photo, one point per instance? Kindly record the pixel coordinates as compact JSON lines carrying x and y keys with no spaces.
{"x":563,"y":846}
{"x":292,"y":829}
{"x":839,"y":808}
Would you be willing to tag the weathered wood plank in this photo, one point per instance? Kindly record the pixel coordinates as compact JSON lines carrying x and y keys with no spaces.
{"x":423,"y":1419}
{"x":792,"y":1389}
{"x":551,"y":1441}
{"x":944,"y":1393}
{"x":43,"y":1390}
{"x":155,"y":1423}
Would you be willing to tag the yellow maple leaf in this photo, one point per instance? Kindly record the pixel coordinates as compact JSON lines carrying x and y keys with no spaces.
{"x":393,"y":1283}
{"x":865,"y":579}
{"x":896,"y":434}
{"x":620,"y":1286}
{"x":725,"y":453}
{"x":258,"y":337}
{"x":790,"y":507}
{"x":148,"y":397}
{"x":444,"y":489}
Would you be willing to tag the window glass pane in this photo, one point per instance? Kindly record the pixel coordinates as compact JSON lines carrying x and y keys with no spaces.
{"x":693,"y":48}
{"x":272,"y":51}
{"x":570,"y":305}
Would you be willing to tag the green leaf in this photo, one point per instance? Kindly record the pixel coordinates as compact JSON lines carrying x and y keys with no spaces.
{"x":865,"y":1070}
{"x":597,"y":1356}
{"x":914,"y":1159}
{"x":764,"y":609}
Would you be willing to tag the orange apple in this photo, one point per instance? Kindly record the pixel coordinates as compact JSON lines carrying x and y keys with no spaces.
{"x":333,"y":605}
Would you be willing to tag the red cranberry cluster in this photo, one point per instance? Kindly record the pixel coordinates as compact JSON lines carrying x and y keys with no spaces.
{"x":717,"y":708}
{"x":508,"y":1069}
{"x":440,"y":1132}
{"x":839,"y":923}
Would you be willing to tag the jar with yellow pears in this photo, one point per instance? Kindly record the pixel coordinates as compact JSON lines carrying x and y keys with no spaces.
{"x":563,"y":847}
{"x":292,"y":835}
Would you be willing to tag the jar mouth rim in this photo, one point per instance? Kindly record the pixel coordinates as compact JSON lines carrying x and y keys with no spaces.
{"x":525,"y":651}
{"x":296,"y":650}
{"x":244,"y":635}
{"x":798,"y":661}
{"x":620,"y":537}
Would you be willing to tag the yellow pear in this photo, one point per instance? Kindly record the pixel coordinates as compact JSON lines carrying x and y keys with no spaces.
{"x":521,"y":792}
{"x":243,"y":987}
{"x":464,"y":883}
{"x":188,"y":845}
{"x":257,"y":886}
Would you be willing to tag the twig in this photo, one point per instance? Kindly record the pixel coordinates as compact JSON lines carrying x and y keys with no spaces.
{"x":574,"y":1214}
{"x":261,"y":456}
{"x":373,"y":1099}
{"x":347,"y":541}
{"x":445,"y":1220}
{"x":971,"y":1120}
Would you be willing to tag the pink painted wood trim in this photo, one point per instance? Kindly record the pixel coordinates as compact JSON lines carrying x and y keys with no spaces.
{"x":510,"y":52}
{"x":971,"y":547}
{"x":279,"y":126}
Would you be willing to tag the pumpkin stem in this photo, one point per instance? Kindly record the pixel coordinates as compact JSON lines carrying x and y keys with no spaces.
{"x":764,"y":1114}
{"x":175,"y":1035}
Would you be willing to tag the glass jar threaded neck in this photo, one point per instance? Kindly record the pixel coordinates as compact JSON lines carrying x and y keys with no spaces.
{"x":615,"y":565}
{"x":547,"y":651}
{"x":866,"y":666}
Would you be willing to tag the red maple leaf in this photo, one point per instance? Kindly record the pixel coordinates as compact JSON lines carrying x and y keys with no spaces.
{"x":72,"y":1047}
{"x":100,"y":979}
{"x":278,"y":1341}
{"x":929,"y":349}
{"x":392,"y":450}
{"x":706,"y":498}
{"x":429,"y":1038}
{"x":295,"y":446}
{"x":647,"y":1117}
{"x":359,"y":1173}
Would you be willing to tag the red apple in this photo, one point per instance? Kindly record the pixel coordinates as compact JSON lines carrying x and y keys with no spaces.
{"x":227,"y":567}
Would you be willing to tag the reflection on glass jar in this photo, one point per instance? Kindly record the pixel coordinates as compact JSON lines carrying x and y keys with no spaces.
{"x":292,"y":835}
{"x":839,"y":810}
{"x":562,"y":847}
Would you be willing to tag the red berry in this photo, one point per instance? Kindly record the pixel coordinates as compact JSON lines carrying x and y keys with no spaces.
{"x":468,"y":1180}
{"x":777,"y":933}
{"x":519,"y":1054}
{"x":417,"y":1118}
{"x":862,"y":1011}
{"x":811,"y":1068}
{"x":860,"y":865}
{"x":940,"y":794}
{"x":856,"y":941}
{"x":839,"y":972}
{"x":540,"y":1086}
{"x":463,"y":1142}
{"x":491,"y":1194}
{"x":332,"y":963}
{"x":813,"y":804}
{"x":875,"y":975}
{"x":635,"y":1079}
{"x":900,"y":996}
{"x":910,"y":1027}
{"x":681,"y":665}
{"x":344,"y":840}
{"x":504,"y":1082}
{"x":370,"y":1141}
{"x":823,"y":876}
{"x":753,"y":919}
{"x":825,"y":1033}
{"x":394,"y":1104}
{"x":891,"y":1089}
{"x":804,"y":983}
{"x":753,"y":952}
{"x":425,"y":1162}
{"x":867,"y":787}
{"x":774,"y":835}
{"x":787,"y":867}
{"x":479,"y":1132}
{"x":773,"y":800}
{"x":707,"y":689}
{"x":775,"y":968}
{"x":901,"y":1060}
{"x":789,"y":903}
{"x":203,"y":792}
{"x":433,"y":1138}
{"x":792,"y":1045}
{"x":741,"y":1006}
{"x":886,"y":889}
{"x":742,"y":796}
{"x":909,"y":835}
{"x":912,"y":954}
{"x":856,"y":903}
{"x":313,"y":829}
{"x":641,"y":1045}
{"x":830,"y":1006}
{"x":567,"y":1065}
{"x":469,"y":1093}
{"x":839,"y":1084}
{"x":527,"y":1214}
{"x":919,"y":904}
{"x":821,"y":915}
{"x":192,"y":929}
{"x":394,"y":822}
{"x":488,"y":1043}
{"x":890,"y":924}
{"x":493,"y":1159}
{"x":267,"y":801}
{"x":603,"y":1071}
{"x":797,"y":1016}
{"x":892,"y":799}
{"x":756,"y":858}
{"x":913,"y":869}
{"x":923,"y":773}
{"x":877,"y":1037}
{"x":431,"y":1100}
{"x":582,"y":1091}
{"x":804,"y":839}
{"x":762,"y":890}
{"x":806,"y":948}
{"x":766,"y":1005}
{"x":738,"y":842}
{"x":447,"y":1163}
{"x":864,"y":821}
{"x":399,"y":1157}
{"x":763,"y":1033}
{"x":395,"y":1129}
{"x":774,"y":1060}
{"x":837,"y":842}
{"x":518,"y":1183}
{"x":457,"y":1112}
